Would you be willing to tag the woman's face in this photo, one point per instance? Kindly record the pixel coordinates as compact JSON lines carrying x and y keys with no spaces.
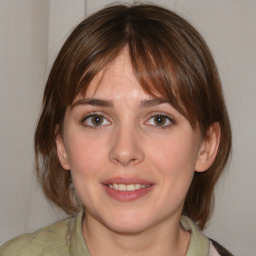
{"x":132,"y":157}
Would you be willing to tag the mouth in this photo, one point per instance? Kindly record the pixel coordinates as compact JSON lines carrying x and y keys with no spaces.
{"x":129,"y":187}
{"x":126,"y":190}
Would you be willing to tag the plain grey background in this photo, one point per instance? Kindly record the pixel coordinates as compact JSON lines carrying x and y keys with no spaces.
{"x":32,"y":32}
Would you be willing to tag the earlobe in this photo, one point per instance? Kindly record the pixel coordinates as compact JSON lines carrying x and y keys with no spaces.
{"x":62,"y":153}
{"x":209,"y":148}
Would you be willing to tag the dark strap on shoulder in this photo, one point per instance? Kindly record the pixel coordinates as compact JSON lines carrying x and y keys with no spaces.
{"x":220,"y":249}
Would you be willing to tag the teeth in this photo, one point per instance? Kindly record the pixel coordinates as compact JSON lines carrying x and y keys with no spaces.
{"x":137,"y":186}
{"x":130,"y":187}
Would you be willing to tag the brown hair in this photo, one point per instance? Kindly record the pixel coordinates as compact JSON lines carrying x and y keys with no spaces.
{"x":168,"y":57}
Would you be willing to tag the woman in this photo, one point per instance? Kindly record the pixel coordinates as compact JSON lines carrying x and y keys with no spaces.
{"x":132,"y":138}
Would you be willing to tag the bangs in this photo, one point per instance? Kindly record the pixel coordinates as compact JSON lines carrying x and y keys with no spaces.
{"x":153,"y":69}
{"x":156,"y":73}
{"x":170,"y":59}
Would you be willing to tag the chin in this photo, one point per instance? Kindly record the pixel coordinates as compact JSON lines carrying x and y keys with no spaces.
{"x":129,"y":228}
{"x":128,"y":224}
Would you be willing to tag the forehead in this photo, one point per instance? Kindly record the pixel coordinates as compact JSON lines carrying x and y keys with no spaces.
{"x":116,"y":80}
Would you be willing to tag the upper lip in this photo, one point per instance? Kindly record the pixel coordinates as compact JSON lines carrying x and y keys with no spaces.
{"x":126,"y":181}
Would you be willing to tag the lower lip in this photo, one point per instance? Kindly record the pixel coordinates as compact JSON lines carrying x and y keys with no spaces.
{"x":127,"y":196}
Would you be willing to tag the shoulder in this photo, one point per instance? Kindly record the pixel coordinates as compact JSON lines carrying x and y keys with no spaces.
{"x":51,"y":240}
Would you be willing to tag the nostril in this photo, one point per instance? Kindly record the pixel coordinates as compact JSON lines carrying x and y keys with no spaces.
{"x":125,"y":161}
{"x":125,"y":150}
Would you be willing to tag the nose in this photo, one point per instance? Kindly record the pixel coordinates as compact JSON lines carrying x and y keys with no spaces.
{"x":126,"y":147}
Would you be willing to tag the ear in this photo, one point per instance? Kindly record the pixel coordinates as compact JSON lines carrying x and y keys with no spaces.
{"x":62,"y":153}
{"x":209,"y":148}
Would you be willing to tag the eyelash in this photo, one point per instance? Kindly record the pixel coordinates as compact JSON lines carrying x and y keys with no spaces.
{"x":100,"y":115}
{"x":171,"y":121}
{"x":94,"y":114}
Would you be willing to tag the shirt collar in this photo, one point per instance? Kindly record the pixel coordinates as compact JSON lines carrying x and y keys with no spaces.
{"x":198,"y":245}
{"x":77,"y":243}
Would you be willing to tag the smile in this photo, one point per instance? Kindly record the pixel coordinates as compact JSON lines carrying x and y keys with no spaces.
{"x":129,"y":187}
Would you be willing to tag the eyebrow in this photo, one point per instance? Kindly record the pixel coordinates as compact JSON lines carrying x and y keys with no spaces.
{"x":108,"y":103}
{"x":153,"y":102}
{"x":93,"y":102}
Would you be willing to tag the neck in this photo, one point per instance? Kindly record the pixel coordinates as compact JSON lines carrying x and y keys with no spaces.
{"x":166,"y":238}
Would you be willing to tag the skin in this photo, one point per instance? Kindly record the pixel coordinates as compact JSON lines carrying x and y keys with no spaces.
{"x":130,"y":143}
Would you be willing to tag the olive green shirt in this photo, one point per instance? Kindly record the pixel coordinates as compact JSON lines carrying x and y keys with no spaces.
{"x":65,"y":238}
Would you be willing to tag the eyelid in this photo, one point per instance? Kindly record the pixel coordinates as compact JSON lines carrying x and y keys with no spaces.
{"x":91,"y":114}
{"x":160,"y":114}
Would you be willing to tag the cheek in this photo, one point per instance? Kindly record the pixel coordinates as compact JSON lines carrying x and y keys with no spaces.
{"x":175,"y":161}
{"x":85,"y":153}
{"x":175,"y":154}
{"x":85,"y":159}
{"x":175,"y":166}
